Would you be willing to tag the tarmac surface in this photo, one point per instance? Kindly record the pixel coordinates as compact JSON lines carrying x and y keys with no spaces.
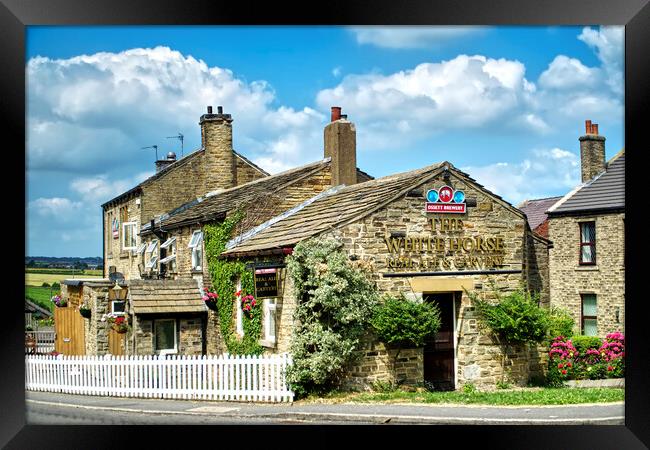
{"x":43,"y":408}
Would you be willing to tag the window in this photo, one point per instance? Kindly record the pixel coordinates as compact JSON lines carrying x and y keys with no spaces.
{"x":165,"y":336}
{"x":239,"y":316}
{"x":141,"y":248}
{"x":589,"y":315}
{"x":118,"y":307}
{"x":152,"y":246}
{"x":588,"y":243}
{"x":170,"y":258}
{"x":196,"y":244}
{"x":152,"y":262}
{"x":269,"y":319}
{"x":129,"y":230}
{"x":109,"y":226}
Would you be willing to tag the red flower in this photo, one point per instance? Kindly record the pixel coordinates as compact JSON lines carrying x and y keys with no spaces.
{"x":238,"y":293}
{"x":610,"y":368}
{"x":560,"y":366}
{"x":568,"y":364}
{"x":564,"y":372}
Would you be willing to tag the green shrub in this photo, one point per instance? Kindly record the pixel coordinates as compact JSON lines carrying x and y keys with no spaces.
{"x":503,"y":385}
{"x":383,"y":386}
{"x":404,"y":323}
{"x":56,"y":285}
{"x":45,"y":284}
{"x":561,"y":323}
{"x":584,"y":343}
{"x":515,"y":318}
{"x":335,"y":304}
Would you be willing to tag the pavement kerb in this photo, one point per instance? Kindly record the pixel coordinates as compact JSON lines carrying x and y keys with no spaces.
{"x":357,"y":417}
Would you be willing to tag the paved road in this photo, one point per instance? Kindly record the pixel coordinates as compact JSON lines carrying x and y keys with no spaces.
{"x":47,"y":408}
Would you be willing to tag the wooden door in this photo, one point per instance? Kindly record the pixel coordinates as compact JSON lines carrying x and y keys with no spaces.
{"x":116,"y":342}
{"x":439,"y":350}
{"x":70,"y":334}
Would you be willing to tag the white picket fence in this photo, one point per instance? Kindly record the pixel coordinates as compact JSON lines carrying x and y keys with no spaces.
{"x":224,"y":377}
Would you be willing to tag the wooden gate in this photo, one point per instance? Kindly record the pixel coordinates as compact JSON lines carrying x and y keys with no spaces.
{"x":116,"y":342}
{"x":69,"y":328}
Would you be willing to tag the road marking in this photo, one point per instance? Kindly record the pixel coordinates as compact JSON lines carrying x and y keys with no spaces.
{"x":382,"y":417}
{"x":213,"y":409}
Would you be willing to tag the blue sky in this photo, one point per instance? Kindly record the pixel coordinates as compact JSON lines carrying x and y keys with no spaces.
{"x":506,"y":104}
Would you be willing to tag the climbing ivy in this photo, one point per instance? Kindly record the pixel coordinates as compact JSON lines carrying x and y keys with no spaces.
{"x":223,"y":274}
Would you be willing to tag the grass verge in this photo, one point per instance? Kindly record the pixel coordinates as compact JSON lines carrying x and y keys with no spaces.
{"x":518,"y":397}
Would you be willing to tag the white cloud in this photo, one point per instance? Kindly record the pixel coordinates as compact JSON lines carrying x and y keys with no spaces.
{"x":467,"y":91}
{"x":412,"y":36}
{"x":545,"y":172}
{"x":336,"y":72}
{"x":608,"y":42}
{"x":57,"y":208}
{"x":568,"y":73}
{"x":93,"y":113}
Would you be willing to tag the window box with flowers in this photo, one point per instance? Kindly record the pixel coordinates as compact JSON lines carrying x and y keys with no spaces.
{"x":210,"y":299}
{"x":59,"y":301}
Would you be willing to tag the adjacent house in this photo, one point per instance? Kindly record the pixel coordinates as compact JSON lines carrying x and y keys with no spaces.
{"x":587,"y":228}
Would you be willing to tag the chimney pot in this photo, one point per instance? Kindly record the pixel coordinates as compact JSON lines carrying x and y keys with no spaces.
{"x":344,"y":116}
{"x":219,"y":109}
{"x":592,"y":152}
{"x":209,"y":109}
{"x":336,"y":113}
{"x":588,"y":126}
{"x":594,"y":128}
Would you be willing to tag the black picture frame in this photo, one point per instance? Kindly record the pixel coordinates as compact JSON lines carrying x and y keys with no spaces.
{"x":15,"y":15}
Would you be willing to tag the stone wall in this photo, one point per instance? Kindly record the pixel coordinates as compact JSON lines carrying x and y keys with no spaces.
{"x":245,"y":172}
{"x":606,"y":279}
{"x":537,"y":267}
{"x":125,"y":261}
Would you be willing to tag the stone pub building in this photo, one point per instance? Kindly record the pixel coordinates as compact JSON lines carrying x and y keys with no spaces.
{"x":433,"y":234}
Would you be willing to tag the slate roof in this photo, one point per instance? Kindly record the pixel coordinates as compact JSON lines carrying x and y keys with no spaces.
{"x":606,"y":192}
{"x":180,"y":162}
{"x":336,"y":207}
{"x":165,"y":296}
{"x":535,"y":210}
{"x":216,"y":204}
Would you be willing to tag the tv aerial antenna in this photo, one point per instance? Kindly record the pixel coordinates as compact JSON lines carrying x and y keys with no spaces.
{"x":180,"y":137}
{"x":155,"y":147}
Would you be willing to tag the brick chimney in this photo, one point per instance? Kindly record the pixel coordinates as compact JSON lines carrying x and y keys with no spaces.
{"x":592,"y":152}
{"x":219,"y":159}
{"x":341,"y":145}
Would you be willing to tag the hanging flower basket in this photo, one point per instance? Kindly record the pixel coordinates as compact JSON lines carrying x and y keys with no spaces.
{"x":210,"y":299}
{"x":84,"y":311}
{"x":59,"y":302}
{"x":247,"y":303}
{"x":118,"y":323}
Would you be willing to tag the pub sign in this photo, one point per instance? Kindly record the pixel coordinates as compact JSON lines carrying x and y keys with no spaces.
{"x":445,"y":200}
{"x":266,"y":283}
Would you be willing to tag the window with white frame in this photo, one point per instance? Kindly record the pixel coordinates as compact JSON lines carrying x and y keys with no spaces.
{"x":270,"y":305}
{"x":129,"y":232}
{"x":196,"y":244}
{"x":239,"y":316}
{"x":118,"y":307}
{"x":170,"y":259}
{"x":141,"y":248}
{"x":153,"y":254}
{"x":165,"y":336}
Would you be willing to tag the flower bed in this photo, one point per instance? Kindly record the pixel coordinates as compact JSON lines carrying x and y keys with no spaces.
{"x":59,"y":301}
{"x":568,"y":363}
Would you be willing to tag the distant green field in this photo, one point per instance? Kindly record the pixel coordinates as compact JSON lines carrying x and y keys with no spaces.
{"x":41,"y":296}
{"x":37,"y":279}
{"x":97,"y":272}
